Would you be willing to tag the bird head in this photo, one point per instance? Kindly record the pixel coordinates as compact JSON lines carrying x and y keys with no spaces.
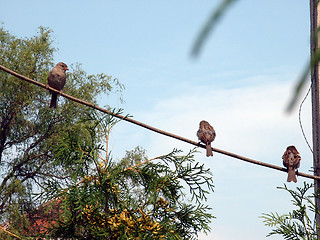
{"x":292,"y":149}
{"x":63,"y":66}
{"x":203,"y":123}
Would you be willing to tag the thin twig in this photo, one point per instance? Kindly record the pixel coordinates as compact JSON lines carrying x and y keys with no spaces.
{"x":155,"y":129}
{"x":135,"y":166}
{"x":3,"y":229}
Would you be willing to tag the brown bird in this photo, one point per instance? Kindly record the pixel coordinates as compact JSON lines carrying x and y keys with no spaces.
{"x":57,"y":80}
{"x":291,"y":160}
{"x":206,"y":134}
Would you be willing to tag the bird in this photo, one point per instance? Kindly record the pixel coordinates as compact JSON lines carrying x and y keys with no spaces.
{"x":291,"y":160}
{"x":57,"y":80}
{"x":206,"y":134}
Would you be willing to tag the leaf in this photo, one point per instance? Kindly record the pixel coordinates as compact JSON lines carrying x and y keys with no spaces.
{"x":210,"y":25}
{"x":303,"y":79}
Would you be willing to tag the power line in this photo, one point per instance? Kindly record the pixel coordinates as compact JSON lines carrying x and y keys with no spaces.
{"x":153,"y":128}
{"x":300,"y":122}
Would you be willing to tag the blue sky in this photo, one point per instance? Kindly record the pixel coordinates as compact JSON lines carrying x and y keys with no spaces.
{"x":241,"y":84}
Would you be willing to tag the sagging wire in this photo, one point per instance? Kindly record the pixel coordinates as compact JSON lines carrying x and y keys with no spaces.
{"x":300,"y":122}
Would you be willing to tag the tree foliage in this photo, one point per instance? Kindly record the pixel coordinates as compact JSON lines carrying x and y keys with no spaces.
{"x":135,"y":198}
{"x":296,"y":224}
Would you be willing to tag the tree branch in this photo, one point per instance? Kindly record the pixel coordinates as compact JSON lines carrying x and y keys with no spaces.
{"x":3,"y":229}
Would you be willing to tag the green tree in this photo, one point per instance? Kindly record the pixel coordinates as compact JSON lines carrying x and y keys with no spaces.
{"x":296,"y":224}
{"x":135,"y":198}
{"x":29,"y":129}
{"x":60,"y":158}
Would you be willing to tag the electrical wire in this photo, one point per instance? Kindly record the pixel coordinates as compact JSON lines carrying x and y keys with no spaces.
{"x":128,"y":119}
{"x":300,"y":122}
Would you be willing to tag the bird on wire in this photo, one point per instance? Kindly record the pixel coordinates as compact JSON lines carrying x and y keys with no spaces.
{"x":57,"y":80}
{"x":206,"y":134}
{"x":291,"y":160}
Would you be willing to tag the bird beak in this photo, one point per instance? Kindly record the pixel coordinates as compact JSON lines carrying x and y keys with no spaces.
{"x":66,"y":68}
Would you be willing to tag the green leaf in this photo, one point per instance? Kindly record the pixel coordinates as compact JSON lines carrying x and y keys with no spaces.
{"x":208,"y":27}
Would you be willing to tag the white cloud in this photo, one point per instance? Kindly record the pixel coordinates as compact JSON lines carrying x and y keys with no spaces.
{"x":248,"y":119}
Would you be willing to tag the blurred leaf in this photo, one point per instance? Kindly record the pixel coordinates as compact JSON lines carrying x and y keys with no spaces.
{"x":209,"y":26}
{"x":303,"y":79}
{"x":300,"y":83}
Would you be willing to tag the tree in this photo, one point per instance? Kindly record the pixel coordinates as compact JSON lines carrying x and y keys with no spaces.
{"x":29,"y":130}
{"x":135,"y":198}
{"x":60,"y":158}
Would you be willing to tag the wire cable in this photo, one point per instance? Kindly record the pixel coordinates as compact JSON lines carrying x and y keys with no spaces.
{"x":300,"y":122}
{"x":125,"y":118}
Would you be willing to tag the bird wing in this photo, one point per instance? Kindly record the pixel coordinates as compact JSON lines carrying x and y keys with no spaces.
{"x":285,"y":158}
{"x":296,"y":160}
{"x":200,"y":134}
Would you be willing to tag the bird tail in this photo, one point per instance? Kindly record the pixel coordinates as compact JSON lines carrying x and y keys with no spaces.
{"x":54,"y":97}
{"x":209,"y":150}
{"x":291,"y":175}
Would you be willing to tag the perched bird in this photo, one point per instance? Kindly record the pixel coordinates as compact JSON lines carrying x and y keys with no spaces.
{"x":206,"y":134}
{"x":57,"y":80}
{"x":291,"y":160}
